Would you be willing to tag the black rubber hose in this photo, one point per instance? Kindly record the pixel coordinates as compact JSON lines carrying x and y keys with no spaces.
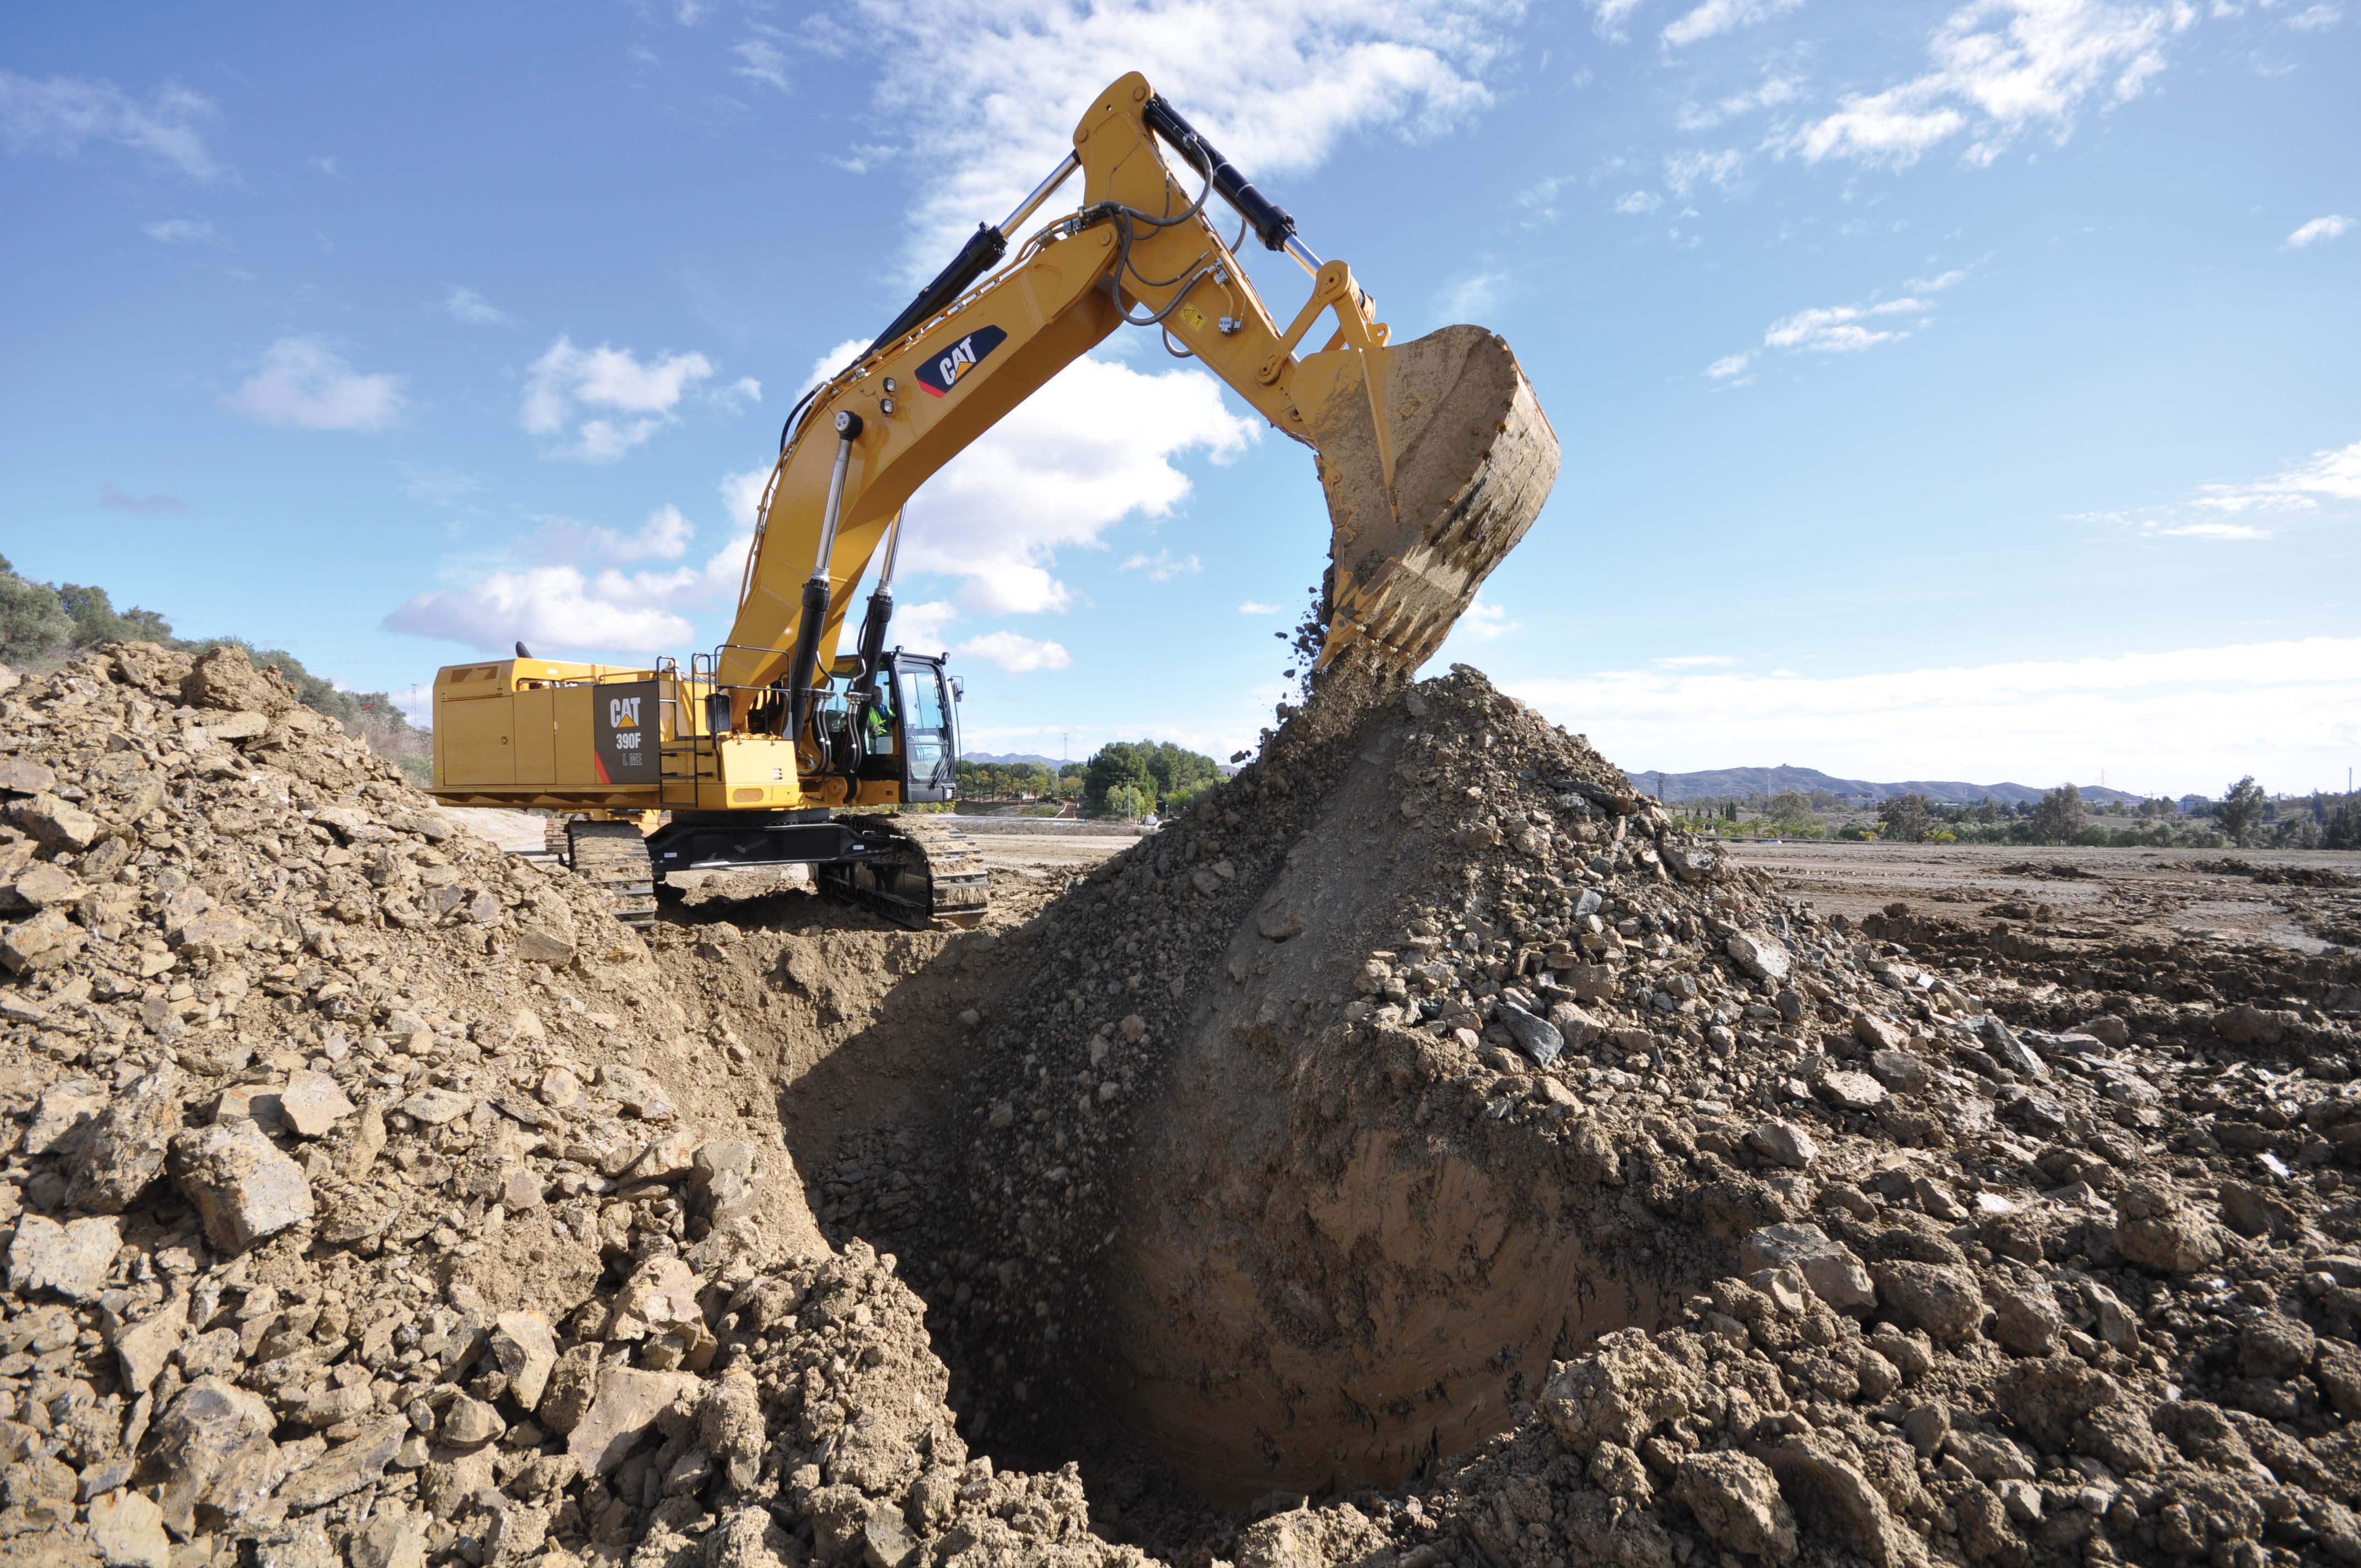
{"x":980,"y":255}
{"x":1272,"y":222}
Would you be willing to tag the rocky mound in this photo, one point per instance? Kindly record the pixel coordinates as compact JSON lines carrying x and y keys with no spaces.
{"x":1422,"y":1111}
{"x":1420,"y":1144}
{"x":373,"y":1197}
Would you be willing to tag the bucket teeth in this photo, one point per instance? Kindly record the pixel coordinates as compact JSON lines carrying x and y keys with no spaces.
{"x":1474,"y":460}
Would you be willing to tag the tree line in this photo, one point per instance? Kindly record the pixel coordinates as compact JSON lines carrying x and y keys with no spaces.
{"x":1125,"y":779}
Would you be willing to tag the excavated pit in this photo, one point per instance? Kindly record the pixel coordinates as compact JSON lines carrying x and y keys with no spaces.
{"x":1291,"y":1253}
{"x":1288,"y":1244}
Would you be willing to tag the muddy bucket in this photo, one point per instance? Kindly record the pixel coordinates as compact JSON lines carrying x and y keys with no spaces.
{"x":1474,"y":460}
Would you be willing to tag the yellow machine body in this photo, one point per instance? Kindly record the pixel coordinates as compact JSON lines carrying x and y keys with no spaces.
{"x":524,"y":734}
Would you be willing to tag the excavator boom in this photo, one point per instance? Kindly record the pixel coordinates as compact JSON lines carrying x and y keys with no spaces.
{"x":1434,"y":456}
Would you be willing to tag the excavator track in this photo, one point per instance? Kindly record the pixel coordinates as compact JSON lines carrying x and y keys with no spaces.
{"x":920,"y":871}
{"x":613,"y":856}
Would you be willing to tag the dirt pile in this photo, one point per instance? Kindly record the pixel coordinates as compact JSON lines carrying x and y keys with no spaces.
{"x":1423,"y":1110}
{"x":1420,"y":1124}
{"x":373,"y":1197}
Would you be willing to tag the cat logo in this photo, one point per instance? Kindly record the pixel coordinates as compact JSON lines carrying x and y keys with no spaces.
{"x":620,"y":738}
{"x":941,"y":373}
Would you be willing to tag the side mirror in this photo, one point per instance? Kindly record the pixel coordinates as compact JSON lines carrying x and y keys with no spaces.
{"x":959,"y":689}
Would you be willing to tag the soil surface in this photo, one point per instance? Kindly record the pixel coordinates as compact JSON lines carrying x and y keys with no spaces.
{"x":1420,"y":1153}
{"x":2303,"y":899}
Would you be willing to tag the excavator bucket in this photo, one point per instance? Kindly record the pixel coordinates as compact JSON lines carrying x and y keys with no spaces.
{"x":1473,"y":459}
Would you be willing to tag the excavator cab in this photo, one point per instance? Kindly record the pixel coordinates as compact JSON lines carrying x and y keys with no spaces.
{"x":908,"y":724}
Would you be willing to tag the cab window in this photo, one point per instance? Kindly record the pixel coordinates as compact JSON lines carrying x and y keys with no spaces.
{"x":922,"y":700}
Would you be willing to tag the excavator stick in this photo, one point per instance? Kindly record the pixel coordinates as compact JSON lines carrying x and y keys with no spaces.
{"x":1473,"y":458}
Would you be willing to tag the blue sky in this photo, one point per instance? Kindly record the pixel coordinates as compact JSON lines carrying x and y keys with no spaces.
{"x":1946,"y":391}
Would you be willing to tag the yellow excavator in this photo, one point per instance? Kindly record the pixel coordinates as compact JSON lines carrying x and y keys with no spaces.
{"x":1434,"y":456}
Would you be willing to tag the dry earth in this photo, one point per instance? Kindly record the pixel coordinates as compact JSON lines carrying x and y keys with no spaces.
{"x":1421,"y":1155}
{"x":2303,"y":899}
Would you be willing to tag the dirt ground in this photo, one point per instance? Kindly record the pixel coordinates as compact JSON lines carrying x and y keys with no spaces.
{"x":1420,"y":1154}
{"x":2302,"y":900}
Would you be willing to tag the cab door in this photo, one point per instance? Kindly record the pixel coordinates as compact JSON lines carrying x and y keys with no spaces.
{"x":929,"y":732}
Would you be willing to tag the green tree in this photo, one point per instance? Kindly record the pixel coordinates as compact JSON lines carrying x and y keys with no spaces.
{"x":1788,"y":806}
{"x":1111,"y":766}
{"x":2240,"y":811}
{"x":1905,"y":819}
{"x":1159,"y":769}
{"x":1129,"y":800}
{"x":35,"y":626}
{"x":2344,"y":829}
{"x":97,"y":621}
{"x":2059,"y":816}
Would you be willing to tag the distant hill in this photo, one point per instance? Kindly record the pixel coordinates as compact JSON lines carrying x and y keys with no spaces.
{"x":1007,"y":758}
{"x":1720,"y":782}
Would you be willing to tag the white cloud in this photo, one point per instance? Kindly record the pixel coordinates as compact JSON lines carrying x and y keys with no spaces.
{"x":919,"y":627}
{"x":1163,"y":566}
{"x":1609,"y":15}
{"x":470,"y":309}
{"x":982,"y":95}
{"x":1721,"y":17}
{"x":759,"y":60}
{"x":1487,"y":622}
{"x":1472,"y":297}
{"x":561,"y":588}
{"x":1637,"y":202}
{"x":1997,"y":68}
{"x":1778,"y":90}
{"x":663,"y":537}
{"x":1251,"y":607}
{"x":1938,"y":283}
{"x":2213,"y":530}
{"x":2287,"y":712}
{"x":1837,"y":329}
{"x":551,"y":610}
{"x":2317,"y":18}
{"x":737,"y":394}
{"x":2333,"y":476}
{"x":1017,"y":655}
{"x":326,"y":166}
{"x":1696,"y":662}
{"x":1540,"y":198}
{"x":180,"y":231}
{"x":1099,"y":444}
{"x":2318,"y":229}
{"x":60,"y":115}
{"x":743,"y":494}
{"x":643,"y":394}
{"x":303,"y":385}
{"x":1684,"y":171}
